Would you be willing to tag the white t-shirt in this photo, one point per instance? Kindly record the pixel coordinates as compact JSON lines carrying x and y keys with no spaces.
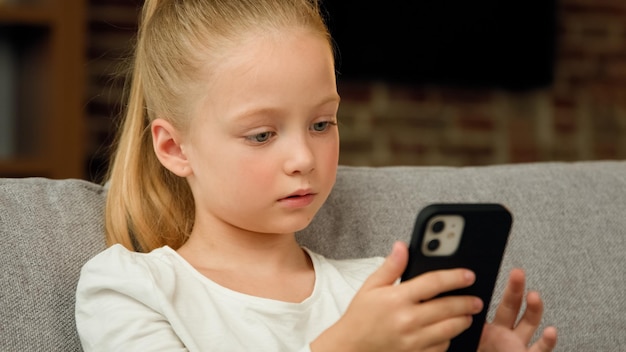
{"x":128,"y":301}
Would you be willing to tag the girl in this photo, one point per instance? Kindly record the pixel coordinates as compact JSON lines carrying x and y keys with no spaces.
{"x":230,"y":146}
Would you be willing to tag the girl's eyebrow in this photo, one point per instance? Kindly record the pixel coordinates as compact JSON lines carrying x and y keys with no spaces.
{"x":335,"y":98}
{"x":255,"y":113}
{"x":273,"y":111}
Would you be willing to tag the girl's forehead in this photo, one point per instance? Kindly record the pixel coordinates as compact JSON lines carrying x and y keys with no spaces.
{"x":268,"y":71}
{"x":256,"y":52}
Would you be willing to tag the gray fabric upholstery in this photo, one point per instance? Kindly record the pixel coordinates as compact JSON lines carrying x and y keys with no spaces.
{"x":48,"y":229}
{"x":569,"y":234}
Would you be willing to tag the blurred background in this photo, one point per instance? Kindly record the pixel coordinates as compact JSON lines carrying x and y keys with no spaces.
{"x":429,"y":82}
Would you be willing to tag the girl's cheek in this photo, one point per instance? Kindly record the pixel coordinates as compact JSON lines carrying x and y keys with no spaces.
{"x":330,"y":157}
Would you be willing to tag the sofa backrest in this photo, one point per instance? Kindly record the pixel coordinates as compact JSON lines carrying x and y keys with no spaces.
{"x":48,"y":229}
{"x":569,"y":234}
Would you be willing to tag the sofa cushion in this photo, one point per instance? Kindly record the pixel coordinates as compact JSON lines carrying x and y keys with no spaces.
{"x":48,"y":229}
{"x":569,"y":234}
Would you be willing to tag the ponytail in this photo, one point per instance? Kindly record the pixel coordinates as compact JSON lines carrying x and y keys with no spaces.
{"x":147,"y":206}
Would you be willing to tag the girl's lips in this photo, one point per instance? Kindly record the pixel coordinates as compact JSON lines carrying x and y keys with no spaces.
{"x":298,"y":201}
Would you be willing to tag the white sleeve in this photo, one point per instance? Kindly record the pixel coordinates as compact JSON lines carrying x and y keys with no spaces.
{"x":117,"y":307}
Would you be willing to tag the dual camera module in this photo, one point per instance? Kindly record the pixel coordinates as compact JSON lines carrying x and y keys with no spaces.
{"x":443,"y":235}
{"x":437,"y":227}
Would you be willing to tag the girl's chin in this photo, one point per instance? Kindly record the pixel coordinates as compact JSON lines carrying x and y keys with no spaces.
{"x":291,"y":227}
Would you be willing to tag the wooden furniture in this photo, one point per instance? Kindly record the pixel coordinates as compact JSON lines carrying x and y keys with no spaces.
{"x":48,"y":39}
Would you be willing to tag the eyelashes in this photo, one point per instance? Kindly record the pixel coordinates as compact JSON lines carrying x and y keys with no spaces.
{"x":260,"y":138}
{"x":323,"y":125}
{"x":266,"y":136}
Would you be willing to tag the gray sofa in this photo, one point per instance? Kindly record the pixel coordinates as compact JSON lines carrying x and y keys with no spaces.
{"x":569,"y":234}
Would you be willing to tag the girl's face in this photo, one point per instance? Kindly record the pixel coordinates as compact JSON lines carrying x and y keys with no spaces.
{"x":263,"y":146}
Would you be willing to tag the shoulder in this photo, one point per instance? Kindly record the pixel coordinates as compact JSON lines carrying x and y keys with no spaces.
{"x":122,"y":300}
{"x":119,"y":269}
{"x":118,"y":259}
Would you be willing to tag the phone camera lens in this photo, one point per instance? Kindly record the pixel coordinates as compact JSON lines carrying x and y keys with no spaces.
{"x":433,"y":245}
{"x":438,"y":226}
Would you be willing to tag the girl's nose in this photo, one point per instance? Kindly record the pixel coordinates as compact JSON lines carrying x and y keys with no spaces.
{"x":300,"y":158}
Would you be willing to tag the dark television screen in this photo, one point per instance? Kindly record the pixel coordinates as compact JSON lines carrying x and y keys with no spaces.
{"x":484,"y":43}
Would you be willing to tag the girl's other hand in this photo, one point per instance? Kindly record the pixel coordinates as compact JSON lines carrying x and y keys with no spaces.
{"x":385,"y":316}
{"x":506,"y":333}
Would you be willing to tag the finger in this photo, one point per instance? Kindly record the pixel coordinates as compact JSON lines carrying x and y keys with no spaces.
{"x":440,"y":309}
{"x":391,"y":269}
{"x":444,"y":331}
{"x":531,"y":319}
{"x":508,"y":310}
{"x":547,"y":342}
{"x":433,"y":283}
{"x":443,"y":347}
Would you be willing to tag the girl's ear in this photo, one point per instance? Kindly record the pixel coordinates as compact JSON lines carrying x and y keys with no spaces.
{"x":166,"y":141}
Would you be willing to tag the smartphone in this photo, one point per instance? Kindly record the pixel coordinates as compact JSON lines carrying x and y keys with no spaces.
{"x":472,"y":236}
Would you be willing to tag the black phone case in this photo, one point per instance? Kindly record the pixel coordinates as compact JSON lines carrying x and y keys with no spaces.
{"x":481,"y":249}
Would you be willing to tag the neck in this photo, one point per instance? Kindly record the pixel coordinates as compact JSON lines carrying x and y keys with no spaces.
{"x":229,"y":248}
{"x":264,"y":265}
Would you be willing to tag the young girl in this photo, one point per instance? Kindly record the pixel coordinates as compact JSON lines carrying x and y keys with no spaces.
{"x":230,"y":146}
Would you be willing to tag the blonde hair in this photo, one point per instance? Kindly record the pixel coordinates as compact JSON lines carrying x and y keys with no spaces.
{"x":178,"y":42}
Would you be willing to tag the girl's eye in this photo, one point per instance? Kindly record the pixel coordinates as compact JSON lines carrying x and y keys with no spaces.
{"x":260,"y":137}
{"x":322,"y":126}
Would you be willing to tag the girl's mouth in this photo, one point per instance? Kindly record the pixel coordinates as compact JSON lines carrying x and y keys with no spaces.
{"x":298,"y":199}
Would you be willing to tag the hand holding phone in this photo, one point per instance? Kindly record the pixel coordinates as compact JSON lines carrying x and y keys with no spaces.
{"x":471,"y":236}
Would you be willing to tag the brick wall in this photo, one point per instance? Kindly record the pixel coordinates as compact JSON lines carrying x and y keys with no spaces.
{"x":581,"y":117}
{"x":112,"y":26}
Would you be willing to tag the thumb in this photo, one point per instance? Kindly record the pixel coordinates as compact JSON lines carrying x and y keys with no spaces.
{"x":392,"y":268}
